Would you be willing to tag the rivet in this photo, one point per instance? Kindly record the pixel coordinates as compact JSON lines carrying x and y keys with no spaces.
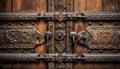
{"x":89,"y":51}
{"x":89,"y":23}
{"x":69,"y":58}
{"x":9,"y":51}
{"x":21,"y":23}
{"x":32,"y":50}
{"x":9,"y":24}
{"x":115,"y":51}
{"x":116,"y":23}
{"x":100,"y":51}
{"x":101,"y":23}
{"x":21,"y":50}
{"x":33,"y":23}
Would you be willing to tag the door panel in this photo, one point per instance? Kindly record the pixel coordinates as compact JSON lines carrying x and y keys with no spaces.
{"x":63,"y":34}
{"x":31,"y":6}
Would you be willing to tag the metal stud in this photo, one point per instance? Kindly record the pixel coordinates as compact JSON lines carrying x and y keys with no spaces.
{"x":89,"y":51}
{"x":21,"y":50}
{"x":9,"y":51}
{"x":101,"y":23}
{"x":9,"y":24}
{"x":32,"y":50}
{"x":21,"y":23}
{"x":116,"y":23}
{"x":100,"y":51}
{"x":33,"y":23}
{"x":115,"y":51}
{"x":89,"y":23}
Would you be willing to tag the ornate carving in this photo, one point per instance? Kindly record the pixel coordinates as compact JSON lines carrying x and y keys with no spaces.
{"x":60,"y":46}
{"x":60,"y":5}
{"x":19,"y":37}
{"x":60,"y":66}
{"x":60,"y":26}
{"x":60,"y":8}
{"x":59,"y":35}
{"x":103,"y":37}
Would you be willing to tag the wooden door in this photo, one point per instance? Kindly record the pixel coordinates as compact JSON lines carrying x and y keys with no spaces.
{"x":59,"y":34}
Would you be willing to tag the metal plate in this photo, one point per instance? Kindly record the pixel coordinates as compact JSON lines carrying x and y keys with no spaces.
{"x":103,"y":37}
{"x":19,"y":37}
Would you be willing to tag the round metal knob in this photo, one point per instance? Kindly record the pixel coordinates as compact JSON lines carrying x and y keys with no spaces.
{"x":59,"y":35}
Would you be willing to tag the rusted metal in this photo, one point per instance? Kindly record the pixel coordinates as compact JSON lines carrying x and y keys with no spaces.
{"x":50,"y":25}
{"x":100,"y":15}
{"x":101,"y":57}
{"x":19,"y":16}
{"x":60,"y":58}
{"x":20,"y":37}
{"x":100,"y":37}
{"x":62,"y":16}
{"x":15,"y":57}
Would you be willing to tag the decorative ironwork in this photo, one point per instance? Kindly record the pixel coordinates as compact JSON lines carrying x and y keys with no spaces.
{"x":19,"y":16}
{"x":101,"y":37}
{"x":101,"y":15}
{"x":18,"y":57}
{"x":19,"y":37}
{"x":60,"y":59}
{"x":60,"y":26}
{"x":60,"y":46}
{"x":70,"y":48}
{"x":62,"y":16}
{"x":101,"y":57}
{"x":60,"y":66}
{"x":104,"y":37}
{"x":59,"y":35}
{"x":60,"y":5}
{"x":50,"y":44}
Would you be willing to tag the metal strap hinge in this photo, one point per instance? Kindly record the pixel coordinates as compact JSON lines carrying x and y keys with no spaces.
{"x":71,"y":16}
{"x":86,"y":57}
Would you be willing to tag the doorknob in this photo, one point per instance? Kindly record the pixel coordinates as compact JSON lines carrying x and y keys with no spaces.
{"x":48,"y":36}
{"x":73,"y":37}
